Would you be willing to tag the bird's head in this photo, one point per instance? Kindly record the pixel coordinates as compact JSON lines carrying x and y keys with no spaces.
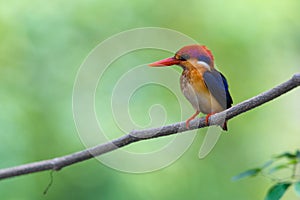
{"x":188,"y":57}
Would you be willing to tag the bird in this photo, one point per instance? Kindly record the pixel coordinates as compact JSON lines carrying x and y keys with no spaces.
{"x":201,"y":83}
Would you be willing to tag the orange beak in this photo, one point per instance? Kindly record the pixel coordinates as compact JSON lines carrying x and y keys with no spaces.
{"x":165,"y":62}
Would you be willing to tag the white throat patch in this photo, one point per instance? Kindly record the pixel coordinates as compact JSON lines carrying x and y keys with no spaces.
{"x":204,"y":64}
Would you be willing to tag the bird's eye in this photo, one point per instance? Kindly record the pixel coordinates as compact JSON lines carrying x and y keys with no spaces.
{"x":182,"y":58}
{"x":179,"y":57}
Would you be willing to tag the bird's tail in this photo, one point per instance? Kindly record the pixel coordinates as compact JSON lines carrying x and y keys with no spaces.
{"x":224,"y":126}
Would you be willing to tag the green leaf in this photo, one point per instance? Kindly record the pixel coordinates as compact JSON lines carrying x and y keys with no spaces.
{"x":278,"y":167}
{"x":298,"y":154}
{"x":292,"y":162}
{"x":277,"y":191}
{"x":248,"y":173}
{"x":297,"y":188}
{"x":286,"y":155}
{"x":268,"y":163}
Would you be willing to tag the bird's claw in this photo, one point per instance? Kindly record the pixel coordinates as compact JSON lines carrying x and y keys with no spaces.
{"x":207,"y":118}
{"x":187,"y":124}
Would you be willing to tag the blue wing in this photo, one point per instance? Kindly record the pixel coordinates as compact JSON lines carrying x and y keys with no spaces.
{"x":218,"y":87}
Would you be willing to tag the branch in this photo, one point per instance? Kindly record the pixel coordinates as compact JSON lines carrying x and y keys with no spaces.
{"x":137,"y":135}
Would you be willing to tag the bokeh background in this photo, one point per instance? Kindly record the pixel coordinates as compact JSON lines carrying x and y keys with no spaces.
{"x":42,"y":45}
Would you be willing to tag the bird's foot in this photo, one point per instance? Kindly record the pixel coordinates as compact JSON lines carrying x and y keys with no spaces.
{"x":207,"y":118}
{"x":187,"y":123}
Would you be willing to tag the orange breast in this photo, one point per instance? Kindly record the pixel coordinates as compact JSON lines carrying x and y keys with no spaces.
{"x":194,"y":89}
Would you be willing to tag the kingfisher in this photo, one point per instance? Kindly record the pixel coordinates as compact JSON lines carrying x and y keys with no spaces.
{"x":204,"y":87}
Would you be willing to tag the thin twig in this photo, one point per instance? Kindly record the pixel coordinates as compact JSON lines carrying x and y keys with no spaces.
{"x":134,"y":136}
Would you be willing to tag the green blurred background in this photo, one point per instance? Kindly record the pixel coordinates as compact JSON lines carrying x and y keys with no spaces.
{"x":43,"y":43}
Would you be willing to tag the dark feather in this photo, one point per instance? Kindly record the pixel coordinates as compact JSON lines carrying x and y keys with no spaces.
{"x":218,"y":87}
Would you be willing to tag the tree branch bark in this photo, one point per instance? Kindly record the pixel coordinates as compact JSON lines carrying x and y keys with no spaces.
{"x":137,"y":135}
